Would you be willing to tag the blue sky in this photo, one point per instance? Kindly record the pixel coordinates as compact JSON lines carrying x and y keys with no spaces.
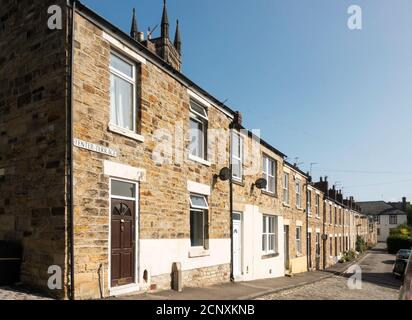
{"x":317,"y":90}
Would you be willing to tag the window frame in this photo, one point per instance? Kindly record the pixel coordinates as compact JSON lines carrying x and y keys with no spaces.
{"x":205,"y":216}
{"x":265,"y":172}
{"x":236,"y":157}
{"x":266,"y":235}
{"x":309,"y":201}
{"x":131,"y":80}
{"x":317,"y":205}
{"x":298,"y":187}
{"x":393,"y":217}
{"x":298,"y":241}
{"x":285,"y":187}
{"x":203,"y":119}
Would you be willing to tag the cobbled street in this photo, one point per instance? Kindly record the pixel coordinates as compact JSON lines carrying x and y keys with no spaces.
{"x":378,"y":283}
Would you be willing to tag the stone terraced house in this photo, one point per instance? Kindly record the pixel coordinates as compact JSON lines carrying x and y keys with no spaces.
{"x":126,"y":175}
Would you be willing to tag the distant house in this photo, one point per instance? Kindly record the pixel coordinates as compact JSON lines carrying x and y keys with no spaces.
{"x":388,"y":215}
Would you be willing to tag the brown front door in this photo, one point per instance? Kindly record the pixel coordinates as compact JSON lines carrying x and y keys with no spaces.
{"x":122,"y":242}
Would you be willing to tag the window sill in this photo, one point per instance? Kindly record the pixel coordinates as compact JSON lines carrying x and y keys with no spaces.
{"x":126,"y":133}
{"x":285,"y":205}
{"x":270,"y":194}
{"x":270,"y":255}
{"x":200,"y":160}
{"x":197,"y":252}
{"x":238,"y":182}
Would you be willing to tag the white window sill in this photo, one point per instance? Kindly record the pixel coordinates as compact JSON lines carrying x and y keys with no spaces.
{"x":285,"y":204}
{"x":197,"y":252}
{"x":200,"y":160}
{"x":125,"y":132}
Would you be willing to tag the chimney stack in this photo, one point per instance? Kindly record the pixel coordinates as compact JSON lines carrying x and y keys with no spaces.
{"x":404,"y":204}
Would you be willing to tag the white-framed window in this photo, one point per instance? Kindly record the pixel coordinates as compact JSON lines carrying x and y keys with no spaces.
{"x":298,"y":190}
{"x":269,"y":173}
{"x":299,"y":240}
{"x":198,"y":124}
{"x":269,"y":234}
{"x":393,"y":219}
{"x":330,"y":214}
{"x":317,"y":205}
{"x":285,"y":185}
{"x":378,"y":219}
{"x":199,"y":208}
{"x":237,"y":156}
{"x":309,"y":202}
{"x":122,"y":92}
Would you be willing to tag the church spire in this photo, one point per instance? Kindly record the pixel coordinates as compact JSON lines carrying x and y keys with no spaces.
{"x":134,"y":33}
{"x":165,"y":22}
{"x":178,"y":40}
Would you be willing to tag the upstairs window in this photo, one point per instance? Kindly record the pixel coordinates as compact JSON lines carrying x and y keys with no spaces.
{"x":122,"y":93}
{"x":317,"y":205}
{"x":309,"y":202}
{"x":393,"y":219}
{"x":286,"y":187}
{"x":298,"y":190}
{"x":198,"y":124}
{"x":269,"y":173}
{"x":237,"y":156}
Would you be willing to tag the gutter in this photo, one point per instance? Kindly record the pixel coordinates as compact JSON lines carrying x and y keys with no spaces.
{"x":70,"y":187}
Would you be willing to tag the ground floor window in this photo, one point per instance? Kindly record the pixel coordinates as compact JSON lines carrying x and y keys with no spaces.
{"x":298,"y":240}
{"x":269,"y":234}
{"x":199,"y":208}
{"x":331,"y":246}
{"x":378,"y":231}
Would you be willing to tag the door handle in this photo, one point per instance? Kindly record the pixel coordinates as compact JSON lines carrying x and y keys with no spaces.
{"x":122,"y":220}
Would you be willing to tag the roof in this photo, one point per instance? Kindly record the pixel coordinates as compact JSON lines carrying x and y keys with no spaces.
{"x":293,"y":167}
{"x":379,"y":208}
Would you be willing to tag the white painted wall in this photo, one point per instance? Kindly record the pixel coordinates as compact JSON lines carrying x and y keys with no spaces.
{"x":253,"y":266}
{"x":158,"y":255}
{"x":384,"y":225}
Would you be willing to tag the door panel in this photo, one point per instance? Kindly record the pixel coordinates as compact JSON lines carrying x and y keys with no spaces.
{"x":237,"y":247}
{"x":286,"y":246}
{"x":122,"y":242}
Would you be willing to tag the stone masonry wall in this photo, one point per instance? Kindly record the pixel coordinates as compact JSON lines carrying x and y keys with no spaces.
{"x":32,"y":136}
{"x":163,"y":104}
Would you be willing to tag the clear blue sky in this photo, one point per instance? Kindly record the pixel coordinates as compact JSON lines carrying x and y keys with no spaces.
{"x":317,"y":90}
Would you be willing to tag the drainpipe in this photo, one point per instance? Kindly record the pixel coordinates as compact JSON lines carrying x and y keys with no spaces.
{"x":70,"y":188}
{"x":307,"y":230}
{"x":232,"y":278}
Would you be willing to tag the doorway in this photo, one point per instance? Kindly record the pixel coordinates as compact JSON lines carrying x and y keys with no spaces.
{"x":286,"y":246}
{"x":122,"y":234}
{"x":237,"y":245}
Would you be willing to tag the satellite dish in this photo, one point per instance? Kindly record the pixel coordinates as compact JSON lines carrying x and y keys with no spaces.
{"x":224,"y":174}
{"x":261,"y":183}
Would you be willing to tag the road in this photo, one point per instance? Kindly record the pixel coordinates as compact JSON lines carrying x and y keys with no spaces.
{"x":377,"y":282}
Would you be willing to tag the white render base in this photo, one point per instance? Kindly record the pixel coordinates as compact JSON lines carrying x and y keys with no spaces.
{"x":254,"y":266}
{"x":158,"y":255}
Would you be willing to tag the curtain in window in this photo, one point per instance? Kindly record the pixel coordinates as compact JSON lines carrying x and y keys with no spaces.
{"x":121,"y":102}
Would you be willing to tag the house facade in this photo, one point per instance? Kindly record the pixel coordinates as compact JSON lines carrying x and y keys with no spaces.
{"x":386,"y":215}
{"x":123,"y":173}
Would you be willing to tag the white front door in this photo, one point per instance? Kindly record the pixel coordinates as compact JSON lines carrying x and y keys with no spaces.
{"x":237,"y":245}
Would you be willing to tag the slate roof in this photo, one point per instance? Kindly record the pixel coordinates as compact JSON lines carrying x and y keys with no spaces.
{"x":379,"y":208}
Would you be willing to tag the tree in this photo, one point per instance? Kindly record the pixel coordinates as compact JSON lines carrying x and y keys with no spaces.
{"x":409,"y":213}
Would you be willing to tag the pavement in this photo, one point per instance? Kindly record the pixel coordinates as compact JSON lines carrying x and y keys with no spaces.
{"x":243,"y":290}
{"x":376,"y":282}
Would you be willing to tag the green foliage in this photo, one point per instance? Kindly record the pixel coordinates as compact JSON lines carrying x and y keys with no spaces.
{"x":360,"y":244}
{"x":402,"y":230}
{"x":348,"y":256}
{"x":395,"y":242}
{"x":409,"y":214}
